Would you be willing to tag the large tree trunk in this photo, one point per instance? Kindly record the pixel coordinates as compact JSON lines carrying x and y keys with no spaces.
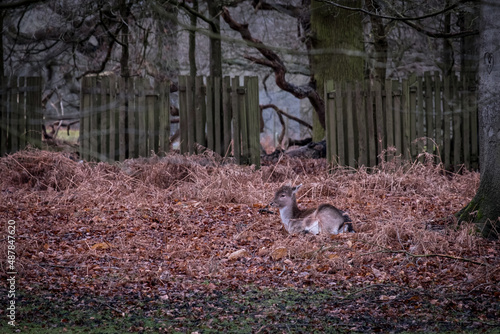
{"x":337,"y":45}
{"x":484,"y":209}
{"x":380,"y":43}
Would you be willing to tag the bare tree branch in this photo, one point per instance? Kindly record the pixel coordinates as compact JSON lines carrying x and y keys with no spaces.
{"x":18,"y":3}
{"x":272,"y":60}
{"x":408,"y":20}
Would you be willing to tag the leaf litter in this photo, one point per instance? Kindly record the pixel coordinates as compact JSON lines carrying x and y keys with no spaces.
{"x":178,"y":229}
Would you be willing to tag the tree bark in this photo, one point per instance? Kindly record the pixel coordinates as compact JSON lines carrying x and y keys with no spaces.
{"x":337,"y":36}
{"x":380,"y":44}
{"x":124,"y":59}
{"x":484,"y":209}
{"x":192,"y":42}
{"x":273,"y":61}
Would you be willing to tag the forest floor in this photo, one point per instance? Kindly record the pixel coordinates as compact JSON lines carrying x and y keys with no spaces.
{"x":182,"y":245}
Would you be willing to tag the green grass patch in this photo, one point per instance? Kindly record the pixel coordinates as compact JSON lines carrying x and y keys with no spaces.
{"x":246,"y":310}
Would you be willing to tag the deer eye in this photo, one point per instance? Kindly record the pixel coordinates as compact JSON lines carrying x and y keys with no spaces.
{"x":282,"y":195}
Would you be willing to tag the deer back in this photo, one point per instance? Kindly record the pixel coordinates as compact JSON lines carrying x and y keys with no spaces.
{"x":324,"y":219}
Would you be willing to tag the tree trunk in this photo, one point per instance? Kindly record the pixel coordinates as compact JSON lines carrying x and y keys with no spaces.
{"x":215,"y":41}
{"x":192,"y":42}
{"x":124,"y":59}
{"x":1,"y":45}
{"x":337,"y":37}
{"x":484,"y":209}
{"x":380,"y":44}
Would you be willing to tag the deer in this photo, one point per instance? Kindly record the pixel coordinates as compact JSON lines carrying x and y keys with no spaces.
{"x":323,"y":219}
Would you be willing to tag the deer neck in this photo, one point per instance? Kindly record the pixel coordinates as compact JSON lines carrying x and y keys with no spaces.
{"x":288,"y":213}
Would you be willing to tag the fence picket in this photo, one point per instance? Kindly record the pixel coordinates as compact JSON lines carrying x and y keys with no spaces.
{"x":432,"y":114}
{"x":360,"y":116}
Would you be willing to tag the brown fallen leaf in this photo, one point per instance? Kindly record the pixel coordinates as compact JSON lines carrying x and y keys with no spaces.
{"x":238,"y":254}
{"x":279,"y":253}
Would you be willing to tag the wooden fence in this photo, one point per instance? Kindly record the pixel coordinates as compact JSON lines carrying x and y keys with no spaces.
{"x":20,"y":113}
{"x":123,"y":118}
{"x":420,"y":114}
{"x":220,"y":112}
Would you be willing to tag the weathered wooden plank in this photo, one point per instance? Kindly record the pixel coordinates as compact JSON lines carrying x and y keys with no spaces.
{"x":420,"y":117}
{"x":3,"y":114}
{"x":438,"y":124}
{"x":330,"y":121}
{"x":474,"y":125}
{"x":389,"y":115}
{"x":235,"y":82}
{"x":122,"y":118}
{"x":372,"y":132}
{"x":104,"y":118}
{"x":245,"y":149}
{"x":466,"y":121}
{"x":379,"y":121}
{"x":339,"y":99}
{"x":21,"y":114}
{"x":183,"y":114}
{"x":413,"y":86}
{"x":162,"y":89}
{"x":133,"y":119}
{"x":405,"y":119}
{"x":15,"y":111}
{"x":253,"y":114}
{"x":191,"y":119}
{"x":351,"y":146}
{"x":152,"y":116}
{"x":447,"y":110}
{"x":85,"y":105}
{"x":429,"y":113}
{"x":217,"y":115}
{"x":141,"y":113}
{"x":227,"y":115}
{"x":94,"y":124}
{"x":210,"y":115}
{"x":360,"y":107}
{"x":200,"y":112}
{"x":457,"y":124}
{"x":396,"y":93}
{"x":113,"y":113}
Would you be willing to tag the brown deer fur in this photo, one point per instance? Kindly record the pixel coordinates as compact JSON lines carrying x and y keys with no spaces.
{"x":324,"y":219}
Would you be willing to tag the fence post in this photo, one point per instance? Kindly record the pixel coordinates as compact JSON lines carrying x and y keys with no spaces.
{"x":398,"y":140}
{"x":123,"y":95}
{"x":361,"y":123}
{"x":447,"y":110}
{"x":14,"y":115}
{"x":217,"y":114}
{"x":183,"y":114}
{"x":235,"y":82}
{"x":227,"y":115}
{"x":457,"y":122}
{"x":429,"y":113}
{"x":163,"y":92}
{"x":21,"y":112}
{"x":253,"y":112}
{"x":420,"y":116}
{"x":200,"y":112}
{"x":379,"y":121}
{"x":3,"y":115}
{"x":104,"y":128}
{"x":113,"y":116}
{"x":389,"y":115}
{"x":331,"y":124}
{"x":243,"y":111}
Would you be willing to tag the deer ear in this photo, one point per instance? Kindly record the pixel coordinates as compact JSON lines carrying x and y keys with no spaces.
{"x":296,"y":188}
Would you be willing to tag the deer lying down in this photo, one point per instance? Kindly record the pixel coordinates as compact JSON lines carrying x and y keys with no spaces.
{"x":324,"y":219}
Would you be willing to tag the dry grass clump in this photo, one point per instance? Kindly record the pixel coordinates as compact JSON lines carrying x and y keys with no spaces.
{"x":172,"y":218}
{"x":39,"y":170}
